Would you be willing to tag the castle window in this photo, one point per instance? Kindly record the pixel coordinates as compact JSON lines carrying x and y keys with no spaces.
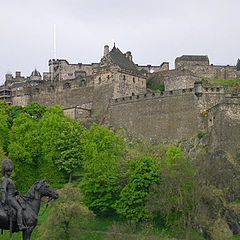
{"x":83,"y":83}
{"x":133,"y":94}
{"x":99,"y":80}
{"x":51,"y":88}
{"x":66,"y":85}
{"x":133,"y":80}
{"x":36,"y":90}
{"x":124,"y":77}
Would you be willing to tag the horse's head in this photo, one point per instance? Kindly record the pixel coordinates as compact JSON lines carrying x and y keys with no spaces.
{"x":45,"y":190}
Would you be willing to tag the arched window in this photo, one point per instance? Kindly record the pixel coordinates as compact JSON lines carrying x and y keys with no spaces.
{"x":133,"y":94}
{"x":134,"y":80}
{"x":66,"y":85}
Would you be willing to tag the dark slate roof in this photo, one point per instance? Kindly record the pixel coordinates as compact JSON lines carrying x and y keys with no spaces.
{"x":122,"y":61}
{"x":202,"y":58}
{"x":35,"y":73}
{"x":238,"y":65}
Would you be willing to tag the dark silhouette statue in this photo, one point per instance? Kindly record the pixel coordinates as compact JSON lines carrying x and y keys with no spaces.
{"x":21,"y":214}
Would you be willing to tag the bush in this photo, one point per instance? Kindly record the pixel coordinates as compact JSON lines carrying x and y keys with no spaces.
{"x":63,"y":222}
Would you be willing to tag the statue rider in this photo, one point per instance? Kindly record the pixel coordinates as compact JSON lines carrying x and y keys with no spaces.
{"x":9,"y":192}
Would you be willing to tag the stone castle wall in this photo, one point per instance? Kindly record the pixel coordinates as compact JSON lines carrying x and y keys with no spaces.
{"x":214,"y":71}
{"x":65,"y":93}
{"x":164,"y":117}
{"x":224,"y":127}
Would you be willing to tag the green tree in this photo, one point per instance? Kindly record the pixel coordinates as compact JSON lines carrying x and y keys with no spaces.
{"x":4,"y":132}
{"x":175,"y":197}
{"x":2,"y":156}
{"x":70,"y":148}
{"x":142,"y":174}
{"x":25,"y":150}
{"x":101,"y":167}
{"x":51,"y":128}
{"x":4,"y":126}
{"x":44,"y":143}
{"x":65,"y":217}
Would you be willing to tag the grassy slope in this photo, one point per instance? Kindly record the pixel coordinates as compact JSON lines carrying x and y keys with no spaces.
{"x":221,"y":82}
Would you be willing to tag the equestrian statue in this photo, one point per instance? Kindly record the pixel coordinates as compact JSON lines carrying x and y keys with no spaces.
{"x":21,"y":213}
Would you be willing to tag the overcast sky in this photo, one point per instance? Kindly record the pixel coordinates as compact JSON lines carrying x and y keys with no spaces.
{"x":155,"y":31}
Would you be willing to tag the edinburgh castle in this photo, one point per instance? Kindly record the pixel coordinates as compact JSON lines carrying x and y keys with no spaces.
{"x":152,"y":102}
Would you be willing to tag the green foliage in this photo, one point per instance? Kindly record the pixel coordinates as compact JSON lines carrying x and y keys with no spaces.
{"x":4,"y":132}
{"x":221,"y":82}
{"x":65,"y":213}
{"x":152,"y":86}
{"x":200,"y":135}
{"x":45,"y":145}
{"x":142,"y":174}
{"x":101,"y":166}
{"x":24,"y":149}
{"x":69,"y":146}
{"x":176,"y":197}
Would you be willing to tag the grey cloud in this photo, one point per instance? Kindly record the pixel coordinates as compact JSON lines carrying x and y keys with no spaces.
{"x":154,"y":30}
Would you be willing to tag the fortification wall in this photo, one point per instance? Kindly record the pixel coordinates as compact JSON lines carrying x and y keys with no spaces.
{"x":213,"y":71}
{"x":179,"y":79}
{"x":66,"y":93}
{"x":67,"y":98}
{"x":102,"y":96}
{"x":224,"y":127}
{"x":164,"y":116}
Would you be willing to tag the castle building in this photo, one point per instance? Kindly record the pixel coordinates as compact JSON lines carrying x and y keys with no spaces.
{"x":114,"y":92}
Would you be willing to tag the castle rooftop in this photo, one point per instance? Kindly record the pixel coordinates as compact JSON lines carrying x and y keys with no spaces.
{"x":193,"y":58}
{"x":122,"y":61}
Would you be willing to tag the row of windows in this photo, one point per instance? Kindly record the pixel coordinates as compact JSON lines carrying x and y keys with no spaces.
{"x":133,"y":79}
{"x":100,"y":79}
{"x":65,"y":86}
{"x":123,"y":77}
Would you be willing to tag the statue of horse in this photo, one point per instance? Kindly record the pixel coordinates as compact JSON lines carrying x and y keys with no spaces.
{"x":31,"y":203}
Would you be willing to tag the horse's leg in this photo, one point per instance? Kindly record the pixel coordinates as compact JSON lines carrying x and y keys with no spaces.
{"x":27,"y":233}
{"x":24,"y":235}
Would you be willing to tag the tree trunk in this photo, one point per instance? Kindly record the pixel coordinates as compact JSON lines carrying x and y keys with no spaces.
{"x":70,"y":178}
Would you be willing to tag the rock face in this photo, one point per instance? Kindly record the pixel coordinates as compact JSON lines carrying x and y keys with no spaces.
{"x":219,"y":171}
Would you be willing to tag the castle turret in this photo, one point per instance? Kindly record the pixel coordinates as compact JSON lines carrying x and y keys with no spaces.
{"x":35,"y":75}
{"x":106,"y":50}
{"x":198,"y":88}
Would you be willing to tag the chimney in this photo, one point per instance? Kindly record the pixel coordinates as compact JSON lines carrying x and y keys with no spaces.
{"x":128,"y":55}
{"x":106,"y":50}
{"x":18,"y":74}
{"x":8,"y":77}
